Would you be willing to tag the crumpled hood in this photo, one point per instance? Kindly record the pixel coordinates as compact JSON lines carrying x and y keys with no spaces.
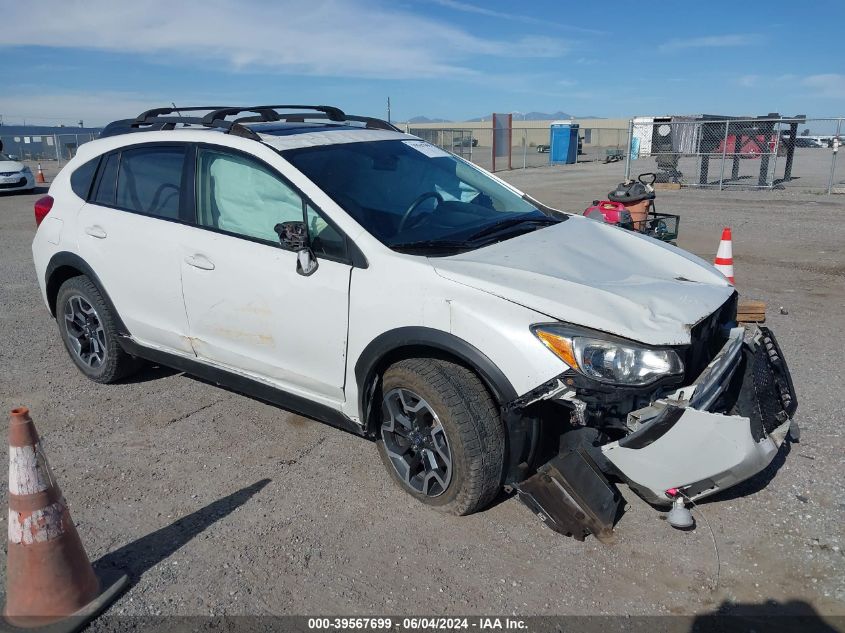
{"x":592,"y":274}
{"x":7,"y":166}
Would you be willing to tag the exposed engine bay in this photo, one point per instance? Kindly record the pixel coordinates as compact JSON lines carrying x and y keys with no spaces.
{"x":679,"y":439}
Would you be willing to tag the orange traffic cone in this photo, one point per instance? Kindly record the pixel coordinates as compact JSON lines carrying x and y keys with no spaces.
{"x":39,"y":177}
{"x":724,"y":261}
{"x":49,"y":580}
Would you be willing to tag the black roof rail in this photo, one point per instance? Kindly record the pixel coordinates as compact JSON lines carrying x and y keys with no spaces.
{"x":300,"y":117}
{"x":160,"y":119}
{"x":269,"y":111}
{"x":156,"y":112}
{"x":154,"y":123}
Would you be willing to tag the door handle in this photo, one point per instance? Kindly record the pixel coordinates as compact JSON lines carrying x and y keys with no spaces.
{"x":96,"y":231}
{"x":199,"y":261}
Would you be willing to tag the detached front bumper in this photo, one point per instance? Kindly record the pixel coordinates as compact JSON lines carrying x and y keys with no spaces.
{"x":715,"y":433}
{"x":682,"y":442}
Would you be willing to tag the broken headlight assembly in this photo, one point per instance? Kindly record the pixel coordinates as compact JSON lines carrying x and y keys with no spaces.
{"x":608,"y":359}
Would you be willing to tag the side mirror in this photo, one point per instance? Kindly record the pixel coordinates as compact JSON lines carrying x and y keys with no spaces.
{"x":293,"y":236}
{"x":306,"y":262}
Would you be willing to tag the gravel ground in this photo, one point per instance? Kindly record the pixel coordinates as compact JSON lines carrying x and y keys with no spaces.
{"x":220,"y":504}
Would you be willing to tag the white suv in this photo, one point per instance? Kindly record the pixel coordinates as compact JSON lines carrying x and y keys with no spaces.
{"x":342,"y":269}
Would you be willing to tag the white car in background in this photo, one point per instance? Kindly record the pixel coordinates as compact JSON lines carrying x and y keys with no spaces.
{"x":347,"y":271}
{"x":14,"y":175}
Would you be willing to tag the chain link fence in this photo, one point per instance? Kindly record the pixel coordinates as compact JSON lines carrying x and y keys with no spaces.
{"x":42,"y":148}
{"x":752,"y":153}
{"x":529,"y":146}
{"x":696,"y":151}
{"x":708,"y":152}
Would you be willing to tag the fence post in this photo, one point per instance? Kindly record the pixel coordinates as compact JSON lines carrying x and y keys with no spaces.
{"x":56,"y":147}
{"x":833,"y":158}
{"x":524,"y":146}
{"x":628,"y":150}
{"x":777,"y":149}
{"x":724,"y":152}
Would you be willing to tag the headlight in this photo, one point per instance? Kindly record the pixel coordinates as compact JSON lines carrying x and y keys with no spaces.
{"x":26,"y":170}
{"x":608,"y":360}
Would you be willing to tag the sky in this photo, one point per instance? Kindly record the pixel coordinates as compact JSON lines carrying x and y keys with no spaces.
{"x":99,"y":60}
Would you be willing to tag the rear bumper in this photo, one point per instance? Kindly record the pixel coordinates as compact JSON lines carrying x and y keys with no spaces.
{"x":683,"y":442}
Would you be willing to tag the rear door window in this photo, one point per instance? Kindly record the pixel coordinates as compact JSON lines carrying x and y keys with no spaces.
{"x":150,"y":180}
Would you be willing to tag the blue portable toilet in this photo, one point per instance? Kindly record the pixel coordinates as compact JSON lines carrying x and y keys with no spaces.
{"x":563,"y":143}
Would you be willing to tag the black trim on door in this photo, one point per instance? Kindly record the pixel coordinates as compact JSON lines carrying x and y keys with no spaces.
{"x":244,"y":385}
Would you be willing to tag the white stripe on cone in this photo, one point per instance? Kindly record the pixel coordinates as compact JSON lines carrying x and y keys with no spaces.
{"x":29,"y":471}
{"x":724,"y":261}
{"x":38,"y":527}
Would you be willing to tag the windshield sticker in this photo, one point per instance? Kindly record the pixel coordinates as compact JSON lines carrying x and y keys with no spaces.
{"x":427,"y":148}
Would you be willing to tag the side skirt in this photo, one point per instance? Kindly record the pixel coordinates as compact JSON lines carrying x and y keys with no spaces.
{"x":244,"y":385}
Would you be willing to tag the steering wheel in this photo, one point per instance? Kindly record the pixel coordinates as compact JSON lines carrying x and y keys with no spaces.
{"x":415,"y":204}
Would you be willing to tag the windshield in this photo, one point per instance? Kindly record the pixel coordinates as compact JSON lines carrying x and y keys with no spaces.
{"x":4,"y":156}
{"x":414,"y":196}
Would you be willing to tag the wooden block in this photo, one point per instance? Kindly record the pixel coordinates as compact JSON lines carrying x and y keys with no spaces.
{"x":751,"y":305}
{"x":666,"y":186}
{"x":751,"y":311}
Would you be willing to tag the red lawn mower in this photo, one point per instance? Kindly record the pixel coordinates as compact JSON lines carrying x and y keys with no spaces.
{"x":662,"y":226}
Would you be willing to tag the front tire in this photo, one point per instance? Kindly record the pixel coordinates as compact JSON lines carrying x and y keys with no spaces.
{"x":441,"y":437}
{"x":89,"y":332}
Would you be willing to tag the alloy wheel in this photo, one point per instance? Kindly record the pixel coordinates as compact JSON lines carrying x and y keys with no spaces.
{"x":84,"y":331}
{"x":416,"y":442}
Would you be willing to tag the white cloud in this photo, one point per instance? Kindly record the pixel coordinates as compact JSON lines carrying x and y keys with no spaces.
{"x":358,"y":38}
{"x":466,"y":7}
{"x":827,"y":86}
{"x":748,"y":81}
{"x":712,"y":41}
{"x":94,"y":108}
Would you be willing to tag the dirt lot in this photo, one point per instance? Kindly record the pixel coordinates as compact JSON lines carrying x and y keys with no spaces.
{"x":217,"y":503}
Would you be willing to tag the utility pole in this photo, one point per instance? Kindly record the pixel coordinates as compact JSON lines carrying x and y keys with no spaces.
{"x":388,"y":109}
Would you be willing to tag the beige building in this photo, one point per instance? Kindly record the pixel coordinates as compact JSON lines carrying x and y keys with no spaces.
{"x":596,"y":134}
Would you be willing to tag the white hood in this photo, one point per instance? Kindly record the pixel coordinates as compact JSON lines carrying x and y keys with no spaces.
{"x":7,"y":166}
{"x":592,"y":274}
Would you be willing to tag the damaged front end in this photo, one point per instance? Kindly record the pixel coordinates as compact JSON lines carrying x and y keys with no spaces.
{"x":719,"y":424}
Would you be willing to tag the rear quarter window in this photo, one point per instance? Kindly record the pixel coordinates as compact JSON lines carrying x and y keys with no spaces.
{"x":83,"y":177}
{"x":107,"y":181}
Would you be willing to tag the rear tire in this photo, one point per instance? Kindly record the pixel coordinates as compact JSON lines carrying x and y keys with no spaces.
{"x":441,"y":437}
{"x":89,"y":332}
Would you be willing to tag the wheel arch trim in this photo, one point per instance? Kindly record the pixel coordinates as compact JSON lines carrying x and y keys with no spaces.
{"x":53,"y":281}
{"x":406,"y":338}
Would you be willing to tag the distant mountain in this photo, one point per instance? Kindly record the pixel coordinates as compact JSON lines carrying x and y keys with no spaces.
{"x":425,"y":119}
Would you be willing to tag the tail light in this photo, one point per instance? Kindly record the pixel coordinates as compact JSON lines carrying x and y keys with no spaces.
{"x":42,"y":208}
